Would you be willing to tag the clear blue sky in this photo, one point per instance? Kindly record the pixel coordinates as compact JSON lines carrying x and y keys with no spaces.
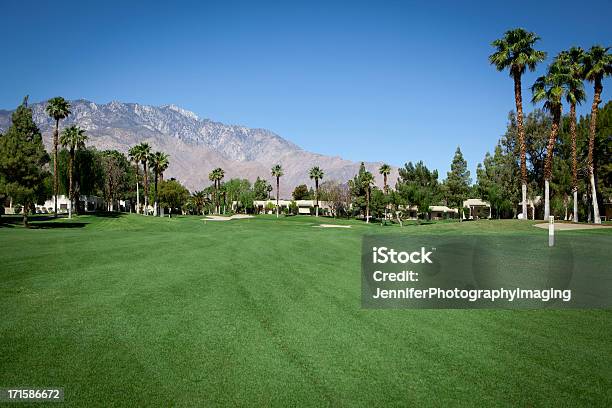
{"x":378,"y":81}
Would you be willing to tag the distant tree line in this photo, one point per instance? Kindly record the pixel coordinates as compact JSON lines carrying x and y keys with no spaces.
{"x":549,"y":154}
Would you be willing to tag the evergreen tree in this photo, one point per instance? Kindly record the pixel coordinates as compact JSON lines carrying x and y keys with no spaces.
{"x":498,"y":182}
{"x":457,"y":184}
{"x":260,"y":188}
{"x":22,"y":157}
{"x":358,"y":191}
{"x":417,"y":185}
{"x":301,"y":192}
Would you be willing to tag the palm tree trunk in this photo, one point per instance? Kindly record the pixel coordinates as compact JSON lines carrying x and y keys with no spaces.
{"x":549,"y":160}
{"x":137,"y":192}
{"x":386,"y":191}
{"x":277,"y":193}
{"x":575,"y":206}
{"x":70,"y":195}
{"x":518,"y":99}
{"x":155,"y":197}
{"x":574,"y":160}
{"x":55,"y":178}
{"x":316,"y":197}
{"x":590,"y":160}
{"x":26,"y":205}
{"x":146,"y":188}
{"x":217,"y":203}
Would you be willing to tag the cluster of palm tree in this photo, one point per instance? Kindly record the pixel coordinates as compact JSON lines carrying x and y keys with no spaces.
{"x":564,"y":80}
{"x":200,"y":198}
{"x":367,"y":182}
{"x":73,"y":138}
{"x":156,"y":161}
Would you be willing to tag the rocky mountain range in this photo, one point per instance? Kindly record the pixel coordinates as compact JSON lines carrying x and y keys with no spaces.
{"x":195,"y":145}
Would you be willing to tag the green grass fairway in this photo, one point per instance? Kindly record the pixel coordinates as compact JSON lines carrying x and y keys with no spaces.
{"x":138,"y":311}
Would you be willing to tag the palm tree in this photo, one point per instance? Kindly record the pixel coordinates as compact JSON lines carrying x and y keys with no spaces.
{"x":142,"y":152}
{"x":317,"y":174}
{"x":135,"y":157}
{"x":277,"y":171}
{"x":199,"y":200}
{"x":163,"y":168}
{"x":73,"y":138}
{"x":574,"y":60}
{"x":216,"y":176}
{"x":367,"y":181}
{"x":219,"y":174}
{"x":58,"y":108}
{"x":551,"y":89}
{"x":212,"y":177}
{"x":597,"y":66}
{"x":385,"y":170}
{"x":515,"y":52}
{"x":159,"y":162}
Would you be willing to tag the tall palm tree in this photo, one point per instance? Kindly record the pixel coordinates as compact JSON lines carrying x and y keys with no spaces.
{"x":597,"y":66}
{"x":163,"y":168}
{"x":159,"y":162}
{"x":58,"y":108}
{"x":317,"y":174}
{"x":142,"y":152}
{"x":385,"y":170}
{"x":212,"y":177}
{"x":216,"y":176}
{"x":73,"y":138}
{"x":134,"y":156}
{"x":550,"y":88}
{"x":574,"y":60}
{"x":219,"y":173}
{"x":515,"y":52}
{"x":367,"y":181}
{"x":277,"y":171}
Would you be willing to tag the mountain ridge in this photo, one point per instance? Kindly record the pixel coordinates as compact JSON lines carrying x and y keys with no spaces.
{"x":196,"y":145}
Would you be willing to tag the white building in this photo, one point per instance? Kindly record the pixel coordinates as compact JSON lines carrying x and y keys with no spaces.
{"x":438,"y":212}
{"x":87,"y":203}
{"x":304,"y":206}
{"x":478,"y":209}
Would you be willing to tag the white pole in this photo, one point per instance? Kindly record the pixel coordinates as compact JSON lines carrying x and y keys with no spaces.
{"x":551,"y":231}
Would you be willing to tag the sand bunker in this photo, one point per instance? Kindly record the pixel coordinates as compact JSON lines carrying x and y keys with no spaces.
{"x":332,"y":226}
{"x":222,"y":218}
{"x":561,"y":226}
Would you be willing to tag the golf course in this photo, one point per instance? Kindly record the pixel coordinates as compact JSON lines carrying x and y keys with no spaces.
{"x":126,"y":310}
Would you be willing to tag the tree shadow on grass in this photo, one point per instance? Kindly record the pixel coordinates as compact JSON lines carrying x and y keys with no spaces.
{"x":39,"y":222}
{"x":57,"y":225}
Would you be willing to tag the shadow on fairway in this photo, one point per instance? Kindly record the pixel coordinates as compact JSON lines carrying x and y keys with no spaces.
{"x":56,"y":225}
{"x":40,"y":222}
